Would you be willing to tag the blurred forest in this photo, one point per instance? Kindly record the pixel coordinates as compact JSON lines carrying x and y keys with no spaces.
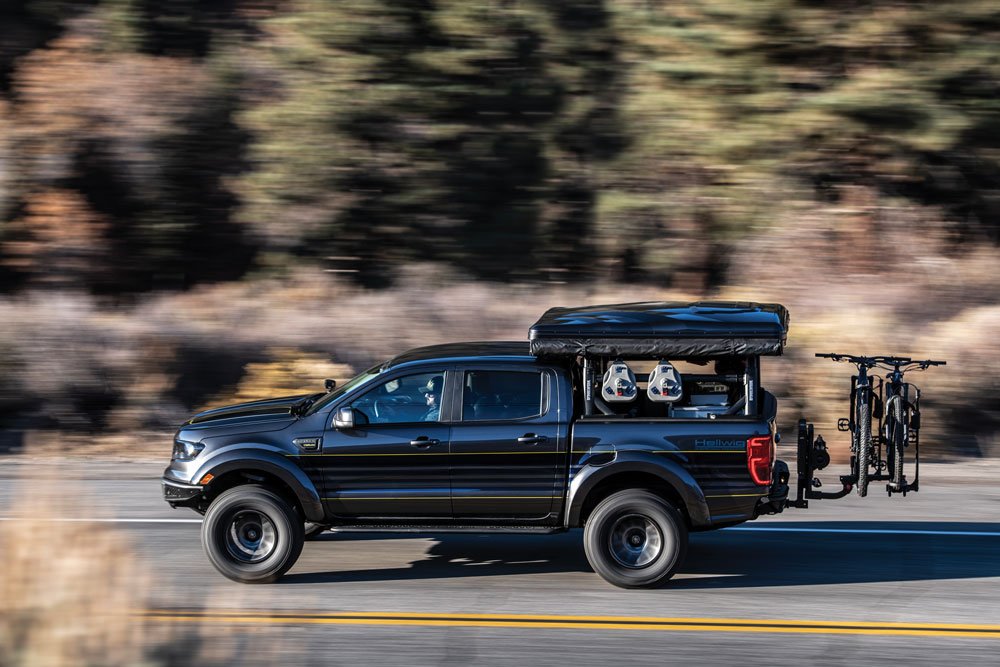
{"x":201,"y":201}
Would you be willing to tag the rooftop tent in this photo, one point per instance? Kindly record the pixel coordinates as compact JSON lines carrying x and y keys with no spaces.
{"x":662,"y":330}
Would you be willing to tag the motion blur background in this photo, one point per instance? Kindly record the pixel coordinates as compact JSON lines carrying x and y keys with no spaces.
{"x":204,"y":202}
{"x":209,"y":201}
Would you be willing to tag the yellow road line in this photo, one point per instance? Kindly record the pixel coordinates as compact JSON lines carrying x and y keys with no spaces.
{"x":581,"y":622}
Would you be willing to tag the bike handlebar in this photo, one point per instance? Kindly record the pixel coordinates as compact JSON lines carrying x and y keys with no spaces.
{"x":887,"y":362}
{"x":868,"y":361}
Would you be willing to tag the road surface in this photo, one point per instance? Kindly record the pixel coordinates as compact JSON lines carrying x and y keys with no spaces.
{"x":847,"y":582}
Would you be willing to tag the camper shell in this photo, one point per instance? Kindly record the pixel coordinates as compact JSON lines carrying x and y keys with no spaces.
{"x":632,"y":343}
{"x":662,"y":329}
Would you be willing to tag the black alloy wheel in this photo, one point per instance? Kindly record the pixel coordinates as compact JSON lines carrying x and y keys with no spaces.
{"x":251,"y":534}
{"x":635,"y":539}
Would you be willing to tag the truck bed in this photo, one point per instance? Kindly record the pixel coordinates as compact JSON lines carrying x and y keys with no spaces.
{"x":712,"y":452}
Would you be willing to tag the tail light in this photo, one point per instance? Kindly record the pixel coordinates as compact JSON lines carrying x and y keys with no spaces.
{"x":760,"y":455}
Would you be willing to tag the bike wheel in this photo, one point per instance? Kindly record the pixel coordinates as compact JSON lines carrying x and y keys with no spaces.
{"x":897,"y":438}
{"x":863,"y":435}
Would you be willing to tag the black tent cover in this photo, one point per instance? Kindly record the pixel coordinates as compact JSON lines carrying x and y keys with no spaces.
{"x":661,"y":329}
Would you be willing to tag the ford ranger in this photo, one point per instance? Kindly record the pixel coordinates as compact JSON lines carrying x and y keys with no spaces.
{"x":637,"y":422}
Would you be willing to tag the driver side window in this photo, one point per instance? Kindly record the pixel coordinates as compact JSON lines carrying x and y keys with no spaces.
{"x":402,"y":400}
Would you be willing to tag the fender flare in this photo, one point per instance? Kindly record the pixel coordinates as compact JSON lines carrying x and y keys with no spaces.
{"x":668,"y":471}
{"x":250,"y":460}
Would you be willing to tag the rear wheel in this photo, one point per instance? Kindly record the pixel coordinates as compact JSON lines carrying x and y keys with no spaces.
{"x":863,"y":435}
{"x":897,"y":438}
{"x":251,"y":534}
{"x":634,"y":539}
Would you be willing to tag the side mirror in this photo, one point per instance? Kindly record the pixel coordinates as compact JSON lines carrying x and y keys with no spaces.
{"x":330,"y":385}
{"x":344,"y":419}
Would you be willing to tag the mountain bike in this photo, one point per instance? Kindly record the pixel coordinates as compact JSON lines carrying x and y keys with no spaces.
{"x":901,"y":425}
{"x":860,"y":421}
{"x":899,"y":421}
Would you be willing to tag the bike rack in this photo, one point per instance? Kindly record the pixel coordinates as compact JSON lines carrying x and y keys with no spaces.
{"x":812,"y":452}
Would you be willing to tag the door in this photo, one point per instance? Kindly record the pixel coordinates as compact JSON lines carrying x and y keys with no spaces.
{"x":394,"y":462}
{"x":507,"y":454}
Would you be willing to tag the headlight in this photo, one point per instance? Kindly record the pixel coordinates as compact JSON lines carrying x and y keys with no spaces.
{"x":186,"y":451}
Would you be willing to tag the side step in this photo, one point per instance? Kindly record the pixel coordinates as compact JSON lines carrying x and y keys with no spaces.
{"x":382,"y":528}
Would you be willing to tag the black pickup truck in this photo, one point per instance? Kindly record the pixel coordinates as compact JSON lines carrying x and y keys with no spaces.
{"x":638,"y":422}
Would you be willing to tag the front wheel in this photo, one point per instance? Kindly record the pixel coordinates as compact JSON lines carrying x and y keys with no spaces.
{"x":634,"y":539}
{"x":863,"y":424}
{"x":897,"y":438}
{"x":251,"y":534}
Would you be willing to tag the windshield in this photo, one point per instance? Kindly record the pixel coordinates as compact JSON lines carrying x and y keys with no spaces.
{"x":356,"y":381}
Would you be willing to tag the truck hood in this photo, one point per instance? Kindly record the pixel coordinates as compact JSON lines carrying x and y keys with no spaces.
{"x":272,"y":414}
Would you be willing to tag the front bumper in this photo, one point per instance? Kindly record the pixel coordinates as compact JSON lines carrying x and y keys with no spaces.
{"x":178,"y":493}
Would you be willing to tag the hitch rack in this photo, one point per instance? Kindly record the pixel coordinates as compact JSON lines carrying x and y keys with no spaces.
{"x":812,"y":456}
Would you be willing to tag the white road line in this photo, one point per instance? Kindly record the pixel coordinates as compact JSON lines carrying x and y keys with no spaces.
{"x":866,"y":531}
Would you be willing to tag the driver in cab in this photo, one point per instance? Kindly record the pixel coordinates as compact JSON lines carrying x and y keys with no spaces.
{"x":432,"y":394}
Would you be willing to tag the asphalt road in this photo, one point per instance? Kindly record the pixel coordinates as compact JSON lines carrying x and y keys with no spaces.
{"x":852,"y":581}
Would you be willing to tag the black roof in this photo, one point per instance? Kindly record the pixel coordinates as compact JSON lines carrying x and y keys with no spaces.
{"x":472,"y":350}
{"x":662,"y":329}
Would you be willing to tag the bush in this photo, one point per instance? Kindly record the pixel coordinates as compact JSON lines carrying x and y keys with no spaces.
{"x":73,"y":593}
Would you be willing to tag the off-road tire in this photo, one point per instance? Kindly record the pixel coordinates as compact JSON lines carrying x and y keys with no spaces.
{"x":218,"y":532}
{"x":663,"y":520}
{"x":863,"y":424}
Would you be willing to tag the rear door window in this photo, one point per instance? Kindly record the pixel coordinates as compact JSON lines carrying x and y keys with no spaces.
{"x":501,"y":395}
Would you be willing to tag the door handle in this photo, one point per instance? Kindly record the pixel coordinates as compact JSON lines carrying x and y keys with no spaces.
{"x":423,"y":441}
{"x":531,"y":439}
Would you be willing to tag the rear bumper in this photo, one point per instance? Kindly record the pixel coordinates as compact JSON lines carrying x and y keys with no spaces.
{"x":178,"y":493}
{"x":777,"y":495}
